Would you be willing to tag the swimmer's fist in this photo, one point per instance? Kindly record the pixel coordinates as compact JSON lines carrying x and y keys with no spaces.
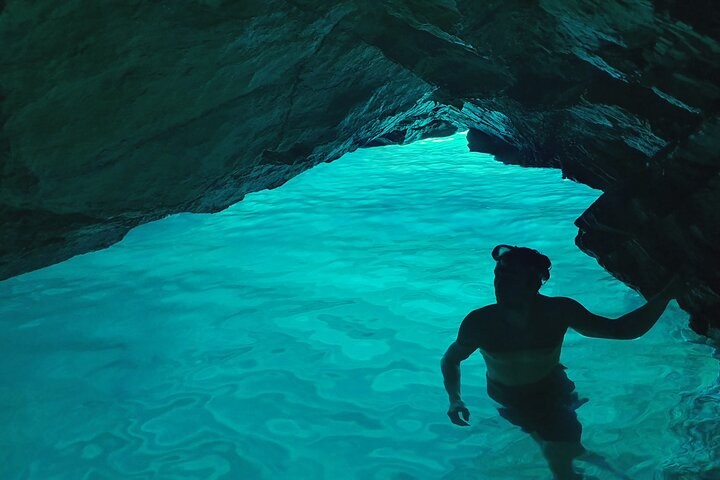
{"x":458,"y":408}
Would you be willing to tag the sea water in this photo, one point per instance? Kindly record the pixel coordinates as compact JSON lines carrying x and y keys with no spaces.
{"x":298,"y":335}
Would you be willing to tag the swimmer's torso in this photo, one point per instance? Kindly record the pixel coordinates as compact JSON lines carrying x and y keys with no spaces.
{"x":522,"y":367}
{"x":517,"y":351}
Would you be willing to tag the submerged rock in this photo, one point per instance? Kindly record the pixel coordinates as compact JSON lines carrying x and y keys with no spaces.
{"x":113,"y":117}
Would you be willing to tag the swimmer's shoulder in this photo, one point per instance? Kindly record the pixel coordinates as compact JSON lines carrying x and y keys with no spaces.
{"x":555,"y":310}
{"x":483,"y":319}
{"x":557,"y":302}
{"x":487,"y":313}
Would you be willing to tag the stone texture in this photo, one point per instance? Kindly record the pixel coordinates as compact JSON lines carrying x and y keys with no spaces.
{"x":118,"y":114}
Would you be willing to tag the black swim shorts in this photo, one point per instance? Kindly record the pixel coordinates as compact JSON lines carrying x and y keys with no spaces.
{"x":546,"y":407}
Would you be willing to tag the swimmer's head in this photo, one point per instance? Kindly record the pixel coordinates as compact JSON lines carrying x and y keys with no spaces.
{"x":519,"y":272}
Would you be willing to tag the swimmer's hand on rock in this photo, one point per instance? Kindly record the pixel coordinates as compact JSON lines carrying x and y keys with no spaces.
{"x":454,"y":412}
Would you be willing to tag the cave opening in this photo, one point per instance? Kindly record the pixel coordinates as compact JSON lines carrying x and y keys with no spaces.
{"x":297,"y":334}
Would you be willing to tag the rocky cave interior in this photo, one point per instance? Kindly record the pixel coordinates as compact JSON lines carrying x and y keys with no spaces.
{"x":114,"y":116}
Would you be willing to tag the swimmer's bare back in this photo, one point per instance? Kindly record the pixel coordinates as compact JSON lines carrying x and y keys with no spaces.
{"x":518,"y":349}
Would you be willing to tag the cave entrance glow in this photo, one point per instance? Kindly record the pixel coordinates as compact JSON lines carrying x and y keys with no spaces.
{"x":297,"y":335}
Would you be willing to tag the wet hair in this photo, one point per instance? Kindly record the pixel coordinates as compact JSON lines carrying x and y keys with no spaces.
{"x":526,"y":259}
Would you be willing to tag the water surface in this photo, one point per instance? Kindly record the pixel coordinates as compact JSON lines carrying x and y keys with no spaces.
{"x":297,"y":335}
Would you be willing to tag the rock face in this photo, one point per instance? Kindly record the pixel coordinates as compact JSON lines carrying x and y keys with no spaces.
{"x":116,"y":116}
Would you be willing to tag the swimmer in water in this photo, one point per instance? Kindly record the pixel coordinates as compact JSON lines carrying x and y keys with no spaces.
{"x":520,"y":338}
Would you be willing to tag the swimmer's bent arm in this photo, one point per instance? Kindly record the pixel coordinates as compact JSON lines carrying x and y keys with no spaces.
{"x":450,"y":366}
{"x":628,"y":327}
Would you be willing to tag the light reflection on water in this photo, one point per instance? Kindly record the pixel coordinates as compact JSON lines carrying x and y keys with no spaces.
{"x":298,"y":335}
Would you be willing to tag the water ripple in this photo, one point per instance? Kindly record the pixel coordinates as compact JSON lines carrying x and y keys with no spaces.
{"x":297,"y":335}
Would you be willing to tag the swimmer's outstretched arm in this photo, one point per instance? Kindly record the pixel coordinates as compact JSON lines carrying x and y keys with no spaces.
{"x":630,"y":326}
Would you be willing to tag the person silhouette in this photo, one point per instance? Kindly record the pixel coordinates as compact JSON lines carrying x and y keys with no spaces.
{"x":520,"y":338}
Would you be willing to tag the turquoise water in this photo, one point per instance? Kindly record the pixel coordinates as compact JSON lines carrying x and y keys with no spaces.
{"x":297,"y":335}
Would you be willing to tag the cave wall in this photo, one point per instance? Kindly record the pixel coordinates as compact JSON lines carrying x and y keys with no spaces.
{"x":118,"y":114}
